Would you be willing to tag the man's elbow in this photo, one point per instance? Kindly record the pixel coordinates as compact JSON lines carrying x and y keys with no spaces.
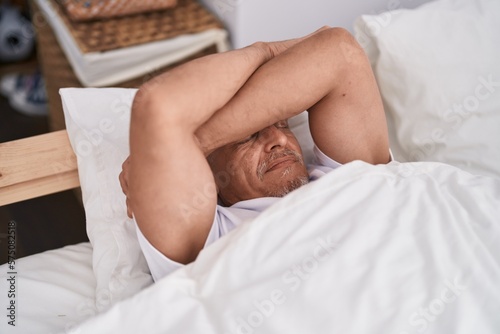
{"x":152,"y":107}
{"x":338,"y":36}
{"x":146,"y":101}
{"x":344,"y":46}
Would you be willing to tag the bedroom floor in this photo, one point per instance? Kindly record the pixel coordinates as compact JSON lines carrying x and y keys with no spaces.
{"x":43,"y":223}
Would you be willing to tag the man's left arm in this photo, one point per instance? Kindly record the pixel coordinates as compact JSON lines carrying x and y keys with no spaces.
{"x":329,"y":75}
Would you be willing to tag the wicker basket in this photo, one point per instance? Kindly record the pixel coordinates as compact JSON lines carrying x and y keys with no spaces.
{"x":85,"y":10}
{"x":187,"y":17}
{"x":58,"y":72}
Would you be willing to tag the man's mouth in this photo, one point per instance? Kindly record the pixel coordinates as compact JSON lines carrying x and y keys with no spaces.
{"x":281,"y":162}
{"x":278,"y":161}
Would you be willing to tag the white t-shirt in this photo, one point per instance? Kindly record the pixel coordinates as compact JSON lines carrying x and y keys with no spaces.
{"x":228,"y":218}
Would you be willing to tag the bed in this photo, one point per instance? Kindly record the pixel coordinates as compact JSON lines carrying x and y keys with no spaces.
{"x":408,"y":247}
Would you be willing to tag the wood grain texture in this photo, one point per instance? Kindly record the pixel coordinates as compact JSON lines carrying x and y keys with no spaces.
{"x":36,"y":166}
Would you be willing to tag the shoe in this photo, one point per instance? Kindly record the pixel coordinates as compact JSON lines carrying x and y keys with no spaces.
{"x":11,"y":83}
{"x":26,"y":93}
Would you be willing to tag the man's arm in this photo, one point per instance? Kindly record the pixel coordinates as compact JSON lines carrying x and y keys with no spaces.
{"x":171,"y":187}
{"x":328,"y":74}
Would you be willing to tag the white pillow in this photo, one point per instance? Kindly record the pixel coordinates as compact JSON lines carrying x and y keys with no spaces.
{"x":438,"y":69}
{"x":97,"y":122}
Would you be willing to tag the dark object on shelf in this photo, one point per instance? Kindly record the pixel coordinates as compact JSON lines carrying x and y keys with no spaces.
{"x":17,"y":38}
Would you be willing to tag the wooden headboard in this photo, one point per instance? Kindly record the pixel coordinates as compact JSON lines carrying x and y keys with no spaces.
{"x":37,"y":166}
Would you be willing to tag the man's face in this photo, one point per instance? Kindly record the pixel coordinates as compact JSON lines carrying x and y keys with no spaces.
{"x":267,"y":164}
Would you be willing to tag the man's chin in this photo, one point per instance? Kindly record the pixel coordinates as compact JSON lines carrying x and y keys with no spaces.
{"x":287,"y":185}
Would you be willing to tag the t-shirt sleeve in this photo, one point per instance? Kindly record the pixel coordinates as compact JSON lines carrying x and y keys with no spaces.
{"x":225,"y":220}
{"x":322,"y":159}
{"x":323,"y":164}
{"x":159,"y":264}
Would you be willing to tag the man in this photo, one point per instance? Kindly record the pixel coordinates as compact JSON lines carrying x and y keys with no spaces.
{"x":214,"y":130}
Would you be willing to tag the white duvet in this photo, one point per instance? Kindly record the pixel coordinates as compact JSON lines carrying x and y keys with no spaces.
{"x":402,"y":248}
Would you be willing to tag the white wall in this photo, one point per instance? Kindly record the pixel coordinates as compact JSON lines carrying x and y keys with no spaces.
{"x":249,"y":21}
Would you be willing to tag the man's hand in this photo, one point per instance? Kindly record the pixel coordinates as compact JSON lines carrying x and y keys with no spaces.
{"x":124,"y":184}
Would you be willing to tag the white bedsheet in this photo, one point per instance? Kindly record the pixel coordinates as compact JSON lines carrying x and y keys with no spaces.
{"x":54,"y":291}
{"x":402,"y":248}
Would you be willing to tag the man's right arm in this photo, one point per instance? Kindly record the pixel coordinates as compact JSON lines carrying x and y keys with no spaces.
{"x":172,"y":191}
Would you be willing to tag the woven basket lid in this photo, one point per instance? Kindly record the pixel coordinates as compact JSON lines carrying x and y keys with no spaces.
{"x":103,"y":35}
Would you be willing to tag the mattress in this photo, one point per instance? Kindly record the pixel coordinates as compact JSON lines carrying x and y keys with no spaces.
{"x":107,"y":68}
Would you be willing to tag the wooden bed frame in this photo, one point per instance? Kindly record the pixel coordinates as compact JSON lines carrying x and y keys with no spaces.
{"x":37,"y":166}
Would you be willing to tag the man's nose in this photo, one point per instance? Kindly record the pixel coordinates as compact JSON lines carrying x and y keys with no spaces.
{"x":273,"y":138}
